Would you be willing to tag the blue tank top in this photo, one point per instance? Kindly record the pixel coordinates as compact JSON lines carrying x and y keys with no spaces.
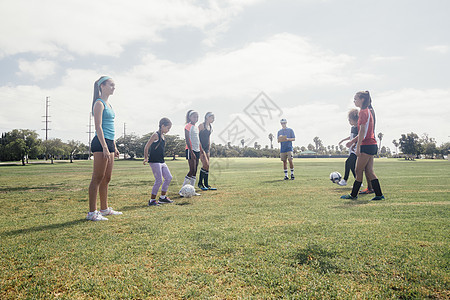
{"x":107,"y":121}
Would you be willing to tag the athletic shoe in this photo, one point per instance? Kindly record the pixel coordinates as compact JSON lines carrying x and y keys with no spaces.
{"x":197,"y":194}
{"x":286,"y":178}
{"x":202,"y":187}
{"x":343,"y":182}
{"x":95,"y":216}
{"x":366,"y":191}
{"x":292,"y":177}
{"x":153,"y":202}
{"x":211,"y":188}
{"x":164,"y":200}
{"x":109,"y":211}
{"x":349,"y":197}
{"x":377,"y":198}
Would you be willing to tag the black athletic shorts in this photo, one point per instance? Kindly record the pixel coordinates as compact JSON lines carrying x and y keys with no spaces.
{"x":97,"y":147}
{"x":188,"y":154}
{"x":369,"y":149}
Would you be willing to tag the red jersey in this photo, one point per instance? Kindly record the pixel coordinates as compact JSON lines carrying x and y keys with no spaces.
{"x":366,"y":118}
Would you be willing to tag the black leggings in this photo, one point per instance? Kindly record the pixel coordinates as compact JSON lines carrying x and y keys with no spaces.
{"x":350,"y":164}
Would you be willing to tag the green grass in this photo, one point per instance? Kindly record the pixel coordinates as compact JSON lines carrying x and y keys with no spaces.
{"x":256,"y":237}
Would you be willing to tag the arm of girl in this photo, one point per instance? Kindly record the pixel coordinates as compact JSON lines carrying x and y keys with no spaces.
{"x":360,"y":138}
{"x":343,"y":140}
{"x":116,"y":152}
{"x":188,"y":142}
{"x":98,"y":117}
{"x":353,"y":141}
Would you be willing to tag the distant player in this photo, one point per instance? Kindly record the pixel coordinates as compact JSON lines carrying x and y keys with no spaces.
{"x":351,"y":160}
{"x":285,"y":137}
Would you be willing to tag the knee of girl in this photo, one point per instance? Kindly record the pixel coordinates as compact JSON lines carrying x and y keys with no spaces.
{"x":158,"y":182}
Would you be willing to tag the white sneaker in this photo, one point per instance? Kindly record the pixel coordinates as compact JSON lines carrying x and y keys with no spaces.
{"x":109,"y":211}
{"x":95,"y":216}
{"x":197,"y":194}
{"x":343,"y":182}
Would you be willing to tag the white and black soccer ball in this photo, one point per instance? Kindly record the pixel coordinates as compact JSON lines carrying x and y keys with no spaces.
{"x":335,"y":177}
{"x":187,"y":191}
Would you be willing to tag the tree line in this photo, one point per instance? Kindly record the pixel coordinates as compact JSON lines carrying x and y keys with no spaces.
{"x":24,"y":144}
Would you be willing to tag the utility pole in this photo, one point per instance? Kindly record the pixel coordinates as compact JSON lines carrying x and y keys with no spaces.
{"x":124,"y":134}
{"x":46,"y":118}
{"x":47,"y":101}
{"x":90,"y":131}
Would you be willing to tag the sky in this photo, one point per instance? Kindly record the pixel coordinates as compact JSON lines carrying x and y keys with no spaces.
{"x":250,"y":62}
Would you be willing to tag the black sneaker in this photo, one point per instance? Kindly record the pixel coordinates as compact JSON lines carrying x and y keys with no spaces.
{"x":153,"y":203}
{"x":165,"y":200}
{"x":286,"y":178}
{"x":292,"y":177}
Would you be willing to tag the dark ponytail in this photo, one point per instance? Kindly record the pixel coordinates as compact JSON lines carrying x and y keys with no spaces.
{"x":367,"y":103}
{"x":164,"y":122}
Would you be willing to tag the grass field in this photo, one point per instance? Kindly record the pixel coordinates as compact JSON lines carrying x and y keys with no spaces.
{"x":256,"y":237}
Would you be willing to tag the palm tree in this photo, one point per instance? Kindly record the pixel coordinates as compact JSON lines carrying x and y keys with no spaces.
{"x":380,"y":137}
{"x":271,"y":140}
{"x":396,"y":144}
{"x":317,"y":142}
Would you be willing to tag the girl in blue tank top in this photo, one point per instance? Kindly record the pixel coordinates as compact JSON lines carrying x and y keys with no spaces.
{"x":104,"y":150}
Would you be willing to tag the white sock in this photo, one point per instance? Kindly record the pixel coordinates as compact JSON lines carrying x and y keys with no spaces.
{"x":285,"y":172}
{"x":193,"y":179}
{"x":186,"y":180}
{"x":292,"y":171}
{"x":162,"y":196}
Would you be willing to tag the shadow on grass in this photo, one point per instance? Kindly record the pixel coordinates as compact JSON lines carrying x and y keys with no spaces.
{"x":316,"y":257}
{"x":183,"y":203}
{"x":352,"y":203}
{"x":42,"y":228}
{"x":274,"y":181}
{"x":27,"y":188}
{"x":136,"y":183}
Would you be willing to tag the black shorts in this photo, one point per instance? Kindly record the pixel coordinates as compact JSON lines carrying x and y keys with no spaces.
{"x":369,"y":149}
{"x":97,"y":147}
{"x":188,"y":154}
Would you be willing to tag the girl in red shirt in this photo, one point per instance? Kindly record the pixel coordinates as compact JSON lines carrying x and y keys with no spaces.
{"x":366,"y":146}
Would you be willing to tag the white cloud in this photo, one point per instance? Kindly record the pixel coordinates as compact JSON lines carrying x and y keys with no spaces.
{"x":380,"y":58}
{"x":101,"y":28}
{"x":38,"y":69}
{"x":443,"y":49}
{"x":413,"y":110}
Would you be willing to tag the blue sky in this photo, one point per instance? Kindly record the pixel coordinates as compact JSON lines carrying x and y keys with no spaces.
{"x":309,"y":57}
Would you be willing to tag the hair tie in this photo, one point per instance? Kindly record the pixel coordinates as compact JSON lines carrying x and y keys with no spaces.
{"x":192,"y":112}
{"x":103,"y":79}
{"x":209,"y":114}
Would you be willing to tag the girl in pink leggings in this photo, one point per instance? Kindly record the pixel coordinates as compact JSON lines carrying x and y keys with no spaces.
{"x":156,"y":144}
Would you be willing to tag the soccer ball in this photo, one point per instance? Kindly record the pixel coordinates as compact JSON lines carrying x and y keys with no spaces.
{"x":187,"y":191}
{"x":335,"y":177}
